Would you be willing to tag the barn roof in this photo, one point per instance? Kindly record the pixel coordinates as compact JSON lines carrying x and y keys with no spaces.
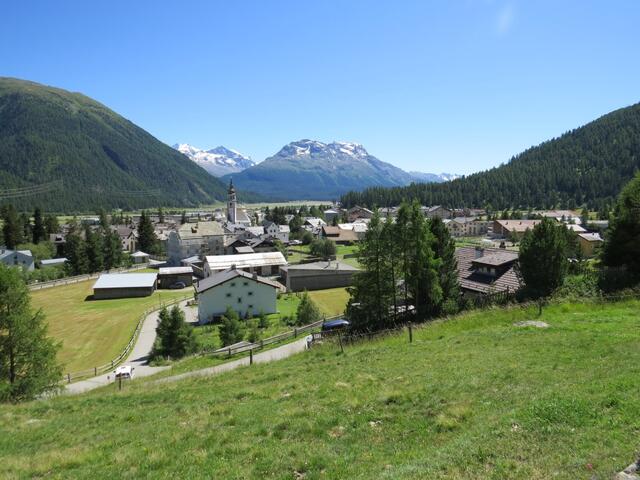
{"x":126,"y":280}
{"x":245,"y":260}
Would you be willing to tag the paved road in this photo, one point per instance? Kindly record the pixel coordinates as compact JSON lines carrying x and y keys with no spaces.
{"x":137,"y":358}
{"x":277,"y":353}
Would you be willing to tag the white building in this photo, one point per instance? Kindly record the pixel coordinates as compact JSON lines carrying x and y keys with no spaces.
{"x":266,"y":263}
{"x":195,"y":239}
{"x":280,"y":232}
{"x":234,"y":214}
{"x":244,"y":292}
{"x":17,"y":258}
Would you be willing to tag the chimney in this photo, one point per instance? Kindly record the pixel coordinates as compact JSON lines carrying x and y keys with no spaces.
{"x":479,"y":252}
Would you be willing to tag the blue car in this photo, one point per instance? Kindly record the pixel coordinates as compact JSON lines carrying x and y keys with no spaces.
{"x":336,"y":324}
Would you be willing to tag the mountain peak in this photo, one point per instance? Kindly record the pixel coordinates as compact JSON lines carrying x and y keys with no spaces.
{"x":218,"y":161}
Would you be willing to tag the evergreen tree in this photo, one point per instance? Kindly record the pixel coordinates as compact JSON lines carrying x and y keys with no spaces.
{"x":147,"y":240}
{"x":160,"y":215}
{"x":183,"y":217}
{"x":27,"y":229}
{"x":28,"y":365}
{"x":175,"y":337}
{"x":423,"y":271}
{"x":112,"y":250}
{"x":39,"y":232}
{"x":622,"y":243}
{"x":12,"y":228}
{"x":104,"y":219}
{"x":75,"y":251}
{"x":95,"y":250}
{"x":543,"y":263}
{"x":263,"y":320}
{"x":372,"y":293}
{"x":323,"y":248}
{"x":404,"y":244}
{"x":231,"y":329}
{"x":444,"y":249}
{"x":307,"y":312}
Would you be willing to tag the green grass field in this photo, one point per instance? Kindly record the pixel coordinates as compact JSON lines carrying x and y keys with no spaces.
{"x":474,"y":397}
{"x":93,"y":331}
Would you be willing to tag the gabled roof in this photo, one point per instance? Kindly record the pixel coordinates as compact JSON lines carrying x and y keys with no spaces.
{"x":247,"y":260}
{"x":591,"y":237}
{"x":174,"y":270}
{"x":518,"y":225}
{"x":222,"y":277}
{"x":126,"y":280}
{"x":470,"y":279}
{"x":200,"y":229}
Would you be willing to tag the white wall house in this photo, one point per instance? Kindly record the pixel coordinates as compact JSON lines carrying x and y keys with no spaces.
{"x":17,"y":258}
{"x":242,"y":291}
{"x":280,"y":232}
{"x":195,"y":239}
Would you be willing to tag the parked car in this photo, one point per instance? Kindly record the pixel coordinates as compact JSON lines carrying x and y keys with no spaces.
{"x":336,"y":324}
{"x":124,"y":372}
{"x":177,"y":285}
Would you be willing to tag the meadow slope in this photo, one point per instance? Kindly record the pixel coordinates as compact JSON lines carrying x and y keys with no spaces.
{"x":473,"y":397}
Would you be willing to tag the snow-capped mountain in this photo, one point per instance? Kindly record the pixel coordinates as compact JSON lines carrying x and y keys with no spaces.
{"x":218,"y":161}
{"x":309,"y":169}
{"x":422,"y":177}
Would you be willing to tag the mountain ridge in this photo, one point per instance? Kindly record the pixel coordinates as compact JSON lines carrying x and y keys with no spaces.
{"x":101,"y":159}
{"x":217,"y":161}
{"x":307,"y":169}
{"x":584,"y":166}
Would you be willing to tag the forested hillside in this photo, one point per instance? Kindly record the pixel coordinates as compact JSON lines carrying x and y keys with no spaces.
{"x":68,"y":153}
{"x":588,"y":165}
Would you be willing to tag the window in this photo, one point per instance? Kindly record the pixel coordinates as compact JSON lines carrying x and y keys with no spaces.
{"x":250,"y":307}
{"x":228,"y":295}
{"x":233,"y":284}
{"x":239,"y":299}
{"x":250,"y":293}
{"x":246,"y":284}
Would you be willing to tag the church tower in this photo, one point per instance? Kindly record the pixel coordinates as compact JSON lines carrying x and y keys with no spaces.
{"x":231,"y":203}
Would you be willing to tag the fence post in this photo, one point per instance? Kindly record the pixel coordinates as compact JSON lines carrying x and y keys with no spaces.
{"x":410,"y":333}
{"x":251,"y":356}
{"x":68,"y":378}
{"x":95,"y":371}
{"x":295,"y":332}
{"x":229,"y":351}
{"x":340,"y":340}
{"x":261,"y":344}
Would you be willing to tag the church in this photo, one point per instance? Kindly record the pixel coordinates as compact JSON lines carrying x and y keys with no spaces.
{"x":235,"y":216}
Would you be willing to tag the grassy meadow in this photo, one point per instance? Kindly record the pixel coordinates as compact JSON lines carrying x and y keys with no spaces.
{"x":93,"y":332}
{"x":473,"y":397}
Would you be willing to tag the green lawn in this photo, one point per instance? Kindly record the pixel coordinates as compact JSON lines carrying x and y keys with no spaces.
{"x":93,"y":331}
{"x":474,"y":397}
{"x":332,"y":301}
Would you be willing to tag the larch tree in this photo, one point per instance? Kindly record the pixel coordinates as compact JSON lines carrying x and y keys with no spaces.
{"x":28,"y":365}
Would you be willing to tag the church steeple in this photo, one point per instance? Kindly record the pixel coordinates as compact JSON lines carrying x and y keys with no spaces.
{"x":231,"y":203}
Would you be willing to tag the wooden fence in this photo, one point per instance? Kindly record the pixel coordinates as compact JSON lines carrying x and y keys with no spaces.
{"x":95,"y":371}
{"x":281,"y":337}
{"x":82,"y":278}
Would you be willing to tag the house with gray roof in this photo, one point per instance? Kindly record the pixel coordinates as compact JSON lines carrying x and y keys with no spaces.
{"x":124,"y":285}
{"x":195,"y":239}
{"x":17,"y":258}
{"x":247,"y":294}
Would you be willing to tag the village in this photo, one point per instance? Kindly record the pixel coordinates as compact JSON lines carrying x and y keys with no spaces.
{"x":202,"y":247}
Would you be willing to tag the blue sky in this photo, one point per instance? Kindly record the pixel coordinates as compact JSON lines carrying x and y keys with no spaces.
{"x":454,"y":86}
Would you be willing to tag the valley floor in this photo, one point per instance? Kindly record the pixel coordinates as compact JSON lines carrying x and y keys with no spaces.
{"x":473,"y":397}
